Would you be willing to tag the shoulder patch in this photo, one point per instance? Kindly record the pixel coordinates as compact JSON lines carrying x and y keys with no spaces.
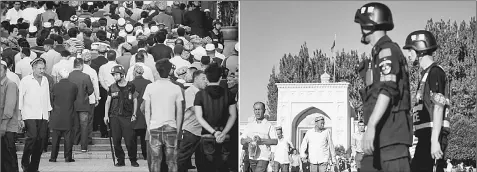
{"x":385,"y":53}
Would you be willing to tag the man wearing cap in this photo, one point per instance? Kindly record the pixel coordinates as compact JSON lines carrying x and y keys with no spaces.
{"x":121,"y":108}
{"x":215,"y":34}
{"x":177,"y":60}
{"x":208,"y":22}
{"x":95,"y":97}
{"x":162,"y":17}
{"x":64,"y":95}
{"x":140,"y":125}
{"x":163,"y":112}
{"x":231,"y":62}
{"x":82,"y":104}
{"x":147,"y":72}
{"x":64,"y":63}
{"x":160,"y":50}
{"x":219,"y":50}
{"x":195,"y":20}
{"x":51,"y":56}
{"x":65,"y":11}
{"x":320,"y":146}
{"x":9,"y":119}
{"x":210,"y":49}
{"x":35,"y":107}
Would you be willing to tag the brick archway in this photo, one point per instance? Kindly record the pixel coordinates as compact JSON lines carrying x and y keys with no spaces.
{"x":301,"y":116}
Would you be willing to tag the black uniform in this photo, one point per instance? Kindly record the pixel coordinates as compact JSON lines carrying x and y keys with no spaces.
{"x":386,"y":73}
{"x":430,"y":92}
{"x":120,"y":113}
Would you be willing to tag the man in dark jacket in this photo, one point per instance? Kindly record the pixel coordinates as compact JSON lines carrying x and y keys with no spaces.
{"x":177,"y":13}
{"x":140,"y":125}
{"x":195,"y":20}
{"x":85,"y":88}
{"x":61,"y":119}
{"x":160,"y":50}
{"x":65,"y":11}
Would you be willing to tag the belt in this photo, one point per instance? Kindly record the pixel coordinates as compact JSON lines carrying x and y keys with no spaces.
{"x":445,"y":124}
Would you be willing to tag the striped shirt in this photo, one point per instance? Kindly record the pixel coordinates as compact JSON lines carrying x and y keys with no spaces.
{"x":78,"y":44}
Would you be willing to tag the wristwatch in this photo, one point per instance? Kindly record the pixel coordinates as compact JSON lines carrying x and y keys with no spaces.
{"x":213,"y":133}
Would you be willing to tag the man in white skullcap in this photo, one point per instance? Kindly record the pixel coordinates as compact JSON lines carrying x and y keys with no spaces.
{"x":210,"y":49}
{"x":219,"y":50}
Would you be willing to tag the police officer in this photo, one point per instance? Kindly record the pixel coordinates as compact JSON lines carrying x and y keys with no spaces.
{"x":431,"y":125}
{"x":386,"y":94}
{"x":121,"y":107}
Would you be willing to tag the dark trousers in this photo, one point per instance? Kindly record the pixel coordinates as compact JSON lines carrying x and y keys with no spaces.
{"x":90,"y":123}
{"x":188,"y":146}
{"x":258,"y":165}
{"x":56,"y":137}
{"x":422,"y":160}
{"x":85,"y":125}
{"x":277,"y":167}
{"x":295,"y":169}
{"x":44,"y":144}
{"x":142,"y":136}
{"x":98,"y":123}
{"x":9,"y":152}
{"x":163,"y":141}
{"x":35,"y":134}
{"x":216,"y":155}
{"x":76,"y":130}
{"x":391,"y":158}
{"x":246,"y":165}
{"x":123,"y":127}
{"x":306,"y":166}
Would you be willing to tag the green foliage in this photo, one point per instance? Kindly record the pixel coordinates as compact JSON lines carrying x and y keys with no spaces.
{"x":456,"y":54}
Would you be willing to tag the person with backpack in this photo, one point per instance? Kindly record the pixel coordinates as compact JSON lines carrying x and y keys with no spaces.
{"x":431,"y":123}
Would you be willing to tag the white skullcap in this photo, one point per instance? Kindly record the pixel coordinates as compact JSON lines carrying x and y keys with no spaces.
{"x":154,"y":29}
{"x":90,"y":3}
{"x":3,"y":63}
{"x":121,"y":22}
{"x":64,"y":73}
{"x":122,"y":33}
{"x":116,"y":2}
{"x":47,"y":24}
{"x":237,"y":47}
{"x":210,"y":47}
{"x":85,"y":51}
{"x":130,"y":39}
{"x":152,"y":11}
{"x":206,"y":10}
{"x":220,"y":46}
{"x":129,"y":28}
{"x":198,"y":53}
{"x":32,"y":29}
{"x":147,"y":2}
{"x":147,"y":31}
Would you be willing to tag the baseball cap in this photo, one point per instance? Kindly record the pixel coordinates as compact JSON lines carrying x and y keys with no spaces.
{"x":46,"y":24}
{"x":48,"y":42}
{"x":210,"y":47}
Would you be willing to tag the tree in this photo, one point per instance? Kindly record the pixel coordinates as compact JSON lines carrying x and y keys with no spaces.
{"x":456,"y":54}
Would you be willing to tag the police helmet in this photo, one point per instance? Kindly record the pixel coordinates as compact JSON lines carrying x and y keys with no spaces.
{"x":118,"y":69}
{"x":421,"y":41}
{"x":217,"y":21}
{"x":374,"y":16}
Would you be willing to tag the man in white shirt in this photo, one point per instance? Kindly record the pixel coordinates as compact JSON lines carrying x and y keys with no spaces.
{"x":282,"y":151}
{"x":219,"y":50}
{"x":51,"y":55}
{"x":19,"y":56}
{"x":177,"y":60}
{"x":35,"y":108}
{"x":256,"y":130}
{"x":148,"y":60}
{"x":357,"y":150}
{"x":163,"y":112}
{"x":140,"y":62}
{"x":23,"y":67}
{"x":104,"y":75}
{"x":93,"y":98}
{"x":13,"y":14}
{"x":64,"y":63}
{"x":29,"y":13}
{"x":320,"y":146}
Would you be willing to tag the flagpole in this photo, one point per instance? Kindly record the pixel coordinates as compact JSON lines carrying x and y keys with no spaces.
{"x":334,"y":62}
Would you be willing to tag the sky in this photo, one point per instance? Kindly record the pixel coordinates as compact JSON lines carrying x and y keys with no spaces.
{"x":271,"y":29}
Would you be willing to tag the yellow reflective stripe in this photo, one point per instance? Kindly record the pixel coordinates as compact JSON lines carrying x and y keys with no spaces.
{"x":445,"y":124}
{"x":389,"y":77}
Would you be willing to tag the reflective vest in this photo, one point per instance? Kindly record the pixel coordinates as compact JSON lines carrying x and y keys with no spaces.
{"x":423,"y":96}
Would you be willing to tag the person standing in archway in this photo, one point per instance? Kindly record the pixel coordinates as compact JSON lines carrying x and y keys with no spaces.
{"x":320,"y":146}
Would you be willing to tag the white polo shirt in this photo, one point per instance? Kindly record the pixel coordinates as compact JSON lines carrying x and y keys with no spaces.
{"x":264,"y":130}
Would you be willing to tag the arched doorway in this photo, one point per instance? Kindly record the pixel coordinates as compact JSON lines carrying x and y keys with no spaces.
{"x":300,"y":117}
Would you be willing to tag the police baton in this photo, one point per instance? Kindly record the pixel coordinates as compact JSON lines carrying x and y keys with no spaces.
{"x":110,"y":133}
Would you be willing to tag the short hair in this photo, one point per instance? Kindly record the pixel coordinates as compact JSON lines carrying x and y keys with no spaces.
{"x":179,"y":41}
{"x":140,"y":56}
{"x":163,"y":67}
{"x":57,"y":29}
{"x":23,"y":43}
{"x":181,"y":31}
{"x":111,"y":55}
{"x":88,"y":33}
{"x":160,"y":38}
{"x":57,"y":38}
{"x":214,"y":72}
{"x":144,"y":14}
{"x":196,"y":74}
{"x":9,"y":61}
{"x":50,"y":5}
{"x":6,"y":25}
{"x":73,"y":32}
{"x":101,"y":34}
{"x":150,"y":40}
{"x":87,"y":21}
{"x":263,"y":104}
{"x":78,"y":62}
{"x":40,"y":40}
{"x":141,"y":44}
{"x":178,"y":49}
{"x":84,"y":6}
{"x":100,"y":4}
{"x":10,"y":30}
{"x":26,"y":51}
{"x":65,"y":53}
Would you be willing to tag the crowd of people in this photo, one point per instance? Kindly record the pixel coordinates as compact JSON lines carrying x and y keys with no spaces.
{"x":140,"y":69}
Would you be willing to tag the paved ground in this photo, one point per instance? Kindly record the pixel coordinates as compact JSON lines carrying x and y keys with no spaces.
{"x":90,"y":165}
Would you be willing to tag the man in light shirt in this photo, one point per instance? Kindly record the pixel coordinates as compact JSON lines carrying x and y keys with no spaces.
{"x":23,"y":67}
{"x":255,"y":131}
{"x":35,"y":108}
{"x":64,"y":63}
{"x":104,"y":75}
{"x":177,"y":60}
{"x":320,"y":146}
{"x":147,"y":74}
{"x":29,"y":13}
{"x":95,"y":97}
{"x":13,"y":14}
{"x":51,"y":56}
{"x":219,"y":50}
{"x":281,"y":155}
{"x":357,"y":150}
